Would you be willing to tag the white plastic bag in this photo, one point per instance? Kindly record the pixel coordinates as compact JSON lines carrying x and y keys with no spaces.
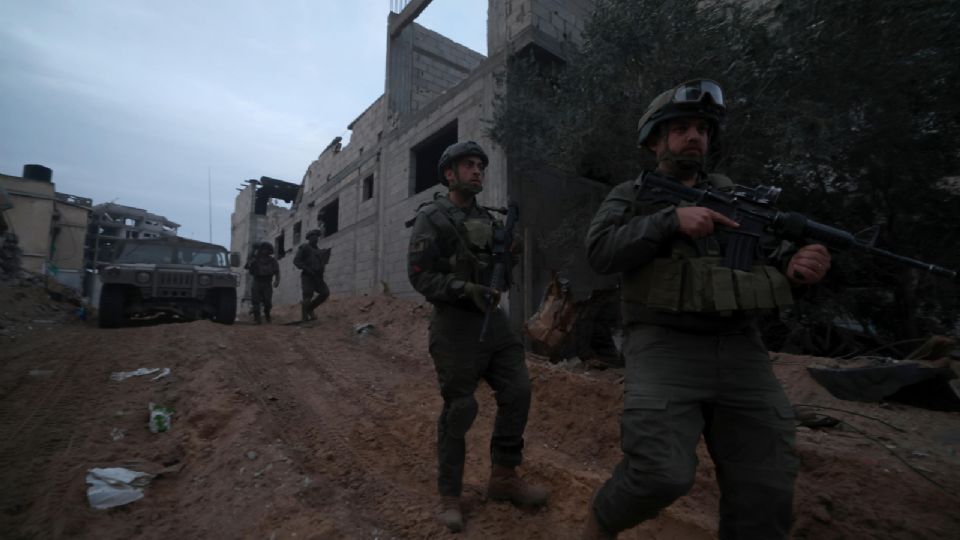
{"x":123,"y":375}
{"x":115,"y":486}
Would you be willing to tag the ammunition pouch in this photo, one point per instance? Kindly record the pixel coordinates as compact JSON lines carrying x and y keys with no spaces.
{"x":701,"y":285}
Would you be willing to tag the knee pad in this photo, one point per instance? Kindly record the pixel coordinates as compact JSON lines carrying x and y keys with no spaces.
{"x":460,"y":416}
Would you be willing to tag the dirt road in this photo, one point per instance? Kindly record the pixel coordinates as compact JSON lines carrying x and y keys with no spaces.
{"x":321,"y":431}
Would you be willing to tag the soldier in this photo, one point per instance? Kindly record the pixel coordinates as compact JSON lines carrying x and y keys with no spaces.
{"x":262,"y":266}
{"x":311,"y":260}
{"x":449,"y":261}
{"x":695,"y":363}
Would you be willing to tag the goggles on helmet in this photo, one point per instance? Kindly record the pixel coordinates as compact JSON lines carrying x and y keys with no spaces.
{"x":697,"y":91}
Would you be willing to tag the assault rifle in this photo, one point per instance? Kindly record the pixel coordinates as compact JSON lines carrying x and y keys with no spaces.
{"x":502,"y":238}
{"x":753,"y":209}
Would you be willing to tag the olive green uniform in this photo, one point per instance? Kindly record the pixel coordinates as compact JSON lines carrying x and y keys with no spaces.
{"x":311,"y":261}
{"x":450,"y":246}
{"x":695,"y":365}
{"x":262,"y":268}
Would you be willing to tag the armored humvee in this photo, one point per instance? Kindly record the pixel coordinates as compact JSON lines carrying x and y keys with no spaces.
{"x":177,"y":276}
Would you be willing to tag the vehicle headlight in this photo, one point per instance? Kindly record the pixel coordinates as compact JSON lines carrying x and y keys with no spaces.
{"x":142,"y":278}
{"x":204,"y":280}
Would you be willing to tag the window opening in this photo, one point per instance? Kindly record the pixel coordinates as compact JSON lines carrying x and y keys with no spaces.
{"x":279,"y":246}
{"x":329,"y":216}
{"x":368,"y":188}
{"x":425,"y":156}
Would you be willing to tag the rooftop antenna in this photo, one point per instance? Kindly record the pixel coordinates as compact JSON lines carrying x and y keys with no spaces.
{"x":209,"y":207}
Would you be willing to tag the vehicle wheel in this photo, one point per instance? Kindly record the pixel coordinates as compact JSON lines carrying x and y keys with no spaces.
{"x":111,"y":306}
{"x":226,"y":306}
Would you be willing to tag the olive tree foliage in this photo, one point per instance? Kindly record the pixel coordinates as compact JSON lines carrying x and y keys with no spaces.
{"x":851,"y":107}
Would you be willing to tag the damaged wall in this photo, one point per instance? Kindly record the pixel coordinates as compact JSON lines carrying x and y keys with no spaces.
{"x":30,"y":218}
{"x":50,"y":227}
{"x":436,"y":92}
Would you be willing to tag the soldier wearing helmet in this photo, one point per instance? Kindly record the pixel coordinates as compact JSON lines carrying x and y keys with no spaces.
{"x":695,"y":363}
{"x":263,"y":267}
{"x":312,"y":260}
{"x":449,"y":262}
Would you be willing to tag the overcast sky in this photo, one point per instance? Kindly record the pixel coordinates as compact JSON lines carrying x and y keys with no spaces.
{"x":139,"y":102}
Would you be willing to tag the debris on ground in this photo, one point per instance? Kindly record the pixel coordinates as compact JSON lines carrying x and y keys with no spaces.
{"x":342,"y":435}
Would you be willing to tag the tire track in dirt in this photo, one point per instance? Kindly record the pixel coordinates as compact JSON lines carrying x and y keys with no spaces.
{"x":312,"y":398}
{"x":37,"y":414}
{"x":44,"y":422}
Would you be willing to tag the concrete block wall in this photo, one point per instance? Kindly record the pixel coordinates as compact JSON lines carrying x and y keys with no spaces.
{"x":438,"y":64}
{"x":471,"y":105}
{"x":339,"y":158}
{"x":31,"y":218}
{"x":552,"y":23}
{"x":563,"y":20}
{"x":431,"y":82}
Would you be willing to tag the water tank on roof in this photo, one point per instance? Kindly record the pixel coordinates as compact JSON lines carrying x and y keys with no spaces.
{"x":37,"y":172}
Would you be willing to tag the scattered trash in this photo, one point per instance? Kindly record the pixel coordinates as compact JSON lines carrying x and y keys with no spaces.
{"x":873,"y":379}
{"x":160,"y":418}
{"x":115,"y":486}
{"x":363,"y":328}
{"x":41,"y":372}
{"x":123,"y":375}
{"x":251,"y":455}
{"x":567,"y":363}
{"x":116,"y":434}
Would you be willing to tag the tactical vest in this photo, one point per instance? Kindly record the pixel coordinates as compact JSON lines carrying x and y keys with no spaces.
{"x":472,"y":256}
{"x":263,"y":267}
{"x":689,"y":278}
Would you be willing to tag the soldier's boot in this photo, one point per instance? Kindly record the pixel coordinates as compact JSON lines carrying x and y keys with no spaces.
{"x":505,"y":485}
{"x":450,"y":513}
{"x":256,"y":317}
{"x":266,"y":315}
{"x":314,"y":304}
{"x":593,"y":530}
{"x":304,"y":312}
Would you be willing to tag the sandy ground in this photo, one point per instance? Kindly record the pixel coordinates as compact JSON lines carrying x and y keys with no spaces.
{"x":287,"y":431}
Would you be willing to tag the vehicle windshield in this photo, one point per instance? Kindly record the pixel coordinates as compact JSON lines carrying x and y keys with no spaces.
{"x":145,"y":254}
{"x":137,"y":253}
{"x":203,"y":257}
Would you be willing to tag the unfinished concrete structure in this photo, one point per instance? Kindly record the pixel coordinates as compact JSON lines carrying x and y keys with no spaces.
{"x":110,"y":222}
{"x":437,"y":92}
{"x":50,"y":226}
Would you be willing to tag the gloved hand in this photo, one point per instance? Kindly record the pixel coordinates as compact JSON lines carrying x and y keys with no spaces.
{"x":481,"y":295}
{"x":276,"y":282}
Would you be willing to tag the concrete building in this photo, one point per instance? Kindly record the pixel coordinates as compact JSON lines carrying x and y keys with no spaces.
{"x":437,"y":92}
{"x":50,"y":226}
{"x":110,"y":222}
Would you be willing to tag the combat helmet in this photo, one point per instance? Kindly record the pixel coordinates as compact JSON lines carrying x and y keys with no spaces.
{"x":697,"y":97}
{"x":314,"y":232}
{"x":457,"y":151}
{"x":265,"y":247}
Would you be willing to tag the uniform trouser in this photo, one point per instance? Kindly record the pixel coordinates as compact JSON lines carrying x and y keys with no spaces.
{"x":262,"y":294}
{"x":310,"y":285}
{"x":461,"y":361}
{"x":680,"y":386}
